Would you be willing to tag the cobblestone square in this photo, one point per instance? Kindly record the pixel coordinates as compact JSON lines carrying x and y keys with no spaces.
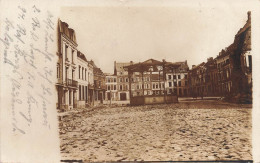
{"x":185,"y":131}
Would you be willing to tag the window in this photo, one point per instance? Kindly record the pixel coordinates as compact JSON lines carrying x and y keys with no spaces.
{"x":79,"y":72}
{"x":85,"y":74}
{"x":114,"y":79}
{"x":108,"y":87}
{"x":114,"y":87}
{"x":83,"y":92}
{"x":250,"y":62}
{"x":174,"y":76}
{"x":58,"y":70}
{"x":66,"y":73}
{"x":82,"y":73}
{"x":73,"y":74}
{"x":70,"y":97}
{"x":186,"y":83}
{"x":66,"y":52}
{"x":179,"y":83}
{"x":179,"y":76}
{"x":121,"y":87}
{"x":186,"y":76}
{"x":169,"y":77}
{"x":72,"y":51}
{"x":79,"y":92}
{"x":162,"y":85}
{"x":170,"y":84}
{"x":126,"y":79}
{"x":175,"y":84}
{"x":153,"y":86}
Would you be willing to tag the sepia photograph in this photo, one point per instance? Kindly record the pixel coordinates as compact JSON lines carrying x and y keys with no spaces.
{"x":122,"y":81}
{"x":154,"y":84}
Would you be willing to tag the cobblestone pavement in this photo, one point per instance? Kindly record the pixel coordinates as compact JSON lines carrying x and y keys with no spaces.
{"x":196,"y":130}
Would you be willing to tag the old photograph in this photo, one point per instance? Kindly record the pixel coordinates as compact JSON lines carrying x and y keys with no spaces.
{"x":154,"y":84}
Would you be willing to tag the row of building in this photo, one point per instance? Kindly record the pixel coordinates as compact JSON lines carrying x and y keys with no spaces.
{"x":229,"y":74}
{"x":80,"y":82}
{"x":152,"y":83}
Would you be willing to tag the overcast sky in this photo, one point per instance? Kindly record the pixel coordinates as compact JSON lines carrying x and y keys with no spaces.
{"x":137,"y":33}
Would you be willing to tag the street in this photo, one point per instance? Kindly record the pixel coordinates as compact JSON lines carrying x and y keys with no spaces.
{"x":188,"y":130}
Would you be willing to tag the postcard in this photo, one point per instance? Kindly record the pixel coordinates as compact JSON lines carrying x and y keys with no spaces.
{"x":135,"y":81}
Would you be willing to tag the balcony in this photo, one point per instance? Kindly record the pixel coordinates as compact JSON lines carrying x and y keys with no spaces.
{"x":71,"y":83}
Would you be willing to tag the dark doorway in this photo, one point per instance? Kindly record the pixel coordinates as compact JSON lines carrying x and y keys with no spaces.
{"x":108,"y":96}
{"x":122,"y":96}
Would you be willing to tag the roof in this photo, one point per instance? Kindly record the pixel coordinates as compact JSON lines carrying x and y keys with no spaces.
{"x":119,"y":66}
{"x":82,"y":56}
{"x":198,"y":66}
{"x":63,"y":27}
{"x":155,"y":66}
{"x":144,"y":66}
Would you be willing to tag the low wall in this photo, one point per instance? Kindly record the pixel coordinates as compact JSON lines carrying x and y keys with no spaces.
{"x":148,"y":100}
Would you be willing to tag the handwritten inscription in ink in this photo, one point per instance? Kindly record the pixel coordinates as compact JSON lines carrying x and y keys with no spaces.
{"x":26,"y":40}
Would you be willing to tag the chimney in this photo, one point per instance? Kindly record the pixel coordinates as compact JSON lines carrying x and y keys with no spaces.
{"x":115,"y":72}
{"x":210,"y":59}
{"x":193,"y":66}
{"x":249,"y":15}
{"x":131,"y":62}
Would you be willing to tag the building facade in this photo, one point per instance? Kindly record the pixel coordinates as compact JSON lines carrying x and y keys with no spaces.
{"x":83,"y":80}
{"x":111,"y":90}
{"x":228,"y":75}
{"x":67,"y":85}
{"x":177,"y":79}
{"x":79,"y":82}
{"x":122,"y":80}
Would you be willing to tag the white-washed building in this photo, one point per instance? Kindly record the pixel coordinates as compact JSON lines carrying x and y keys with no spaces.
{"x":111,"y":84}
{"x":66,"y":85}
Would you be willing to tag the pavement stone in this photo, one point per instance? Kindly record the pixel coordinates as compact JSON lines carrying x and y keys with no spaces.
{"x":186,"y":131}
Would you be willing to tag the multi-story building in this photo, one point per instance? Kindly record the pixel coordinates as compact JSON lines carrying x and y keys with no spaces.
{"x":66,"y":85}
{"x":122,"y":80}
{"x":90,"y":83}
{"x":79,"y":81}
{"x":99,"y":84}
{"x":141,"y":84}
{"x":229,"y":74}
{"x":157,"y":83}
{"x":111,"y":84}
{"x":177,"y":78}
{"x":83,"y":79}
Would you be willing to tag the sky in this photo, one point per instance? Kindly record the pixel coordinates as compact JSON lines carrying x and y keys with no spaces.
{"x":136,"y":33}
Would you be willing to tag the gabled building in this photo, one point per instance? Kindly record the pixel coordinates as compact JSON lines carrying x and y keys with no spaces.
{"x":122,"y":80}
{"x":99,"y":84}
{"x":75,"y":74}
{"x":177,"y":78}
{"x":67,"y":84}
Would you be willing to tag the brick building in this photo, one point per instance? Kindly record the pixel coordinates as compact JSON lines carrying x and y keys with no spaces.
{"x":229,"y":74}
